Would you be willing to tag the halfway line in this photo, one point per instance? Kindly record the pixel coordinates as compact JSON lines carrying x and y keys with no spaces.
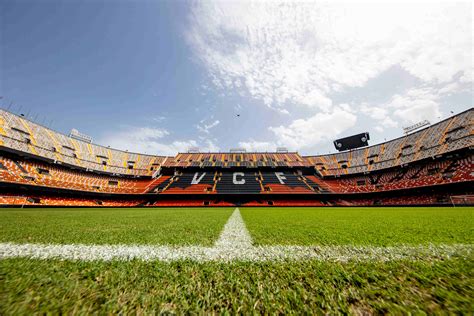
{"x":234,"y":244}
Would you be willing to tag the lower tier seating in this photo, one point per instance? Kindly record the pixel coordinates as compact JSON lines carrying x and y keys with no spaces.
{"x":238,"y":183}
{"x":192,"y":183}
{"x":38,"y":200}
{"x":284,"y":182}
{"x":423,"y":199}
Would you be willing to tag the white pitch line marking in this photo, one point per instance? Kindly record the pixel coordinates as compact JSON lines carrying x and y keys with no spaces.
{"x":254,"y":254}
{"x":234,"y":244}
{"x":235,"y":234}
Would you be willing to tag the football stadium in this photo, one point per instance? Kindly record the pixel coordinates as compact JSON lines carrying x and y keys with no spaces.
{"x":41,"y":167}
{"x":322,"y":206}
{"x":237,"y":231}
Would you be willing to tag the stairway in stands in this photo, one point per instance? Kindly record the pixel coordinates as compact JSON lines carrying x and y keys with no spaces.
{"x":318,"y":184}
{"x":159,"y":184}
{"x":226,"y":184}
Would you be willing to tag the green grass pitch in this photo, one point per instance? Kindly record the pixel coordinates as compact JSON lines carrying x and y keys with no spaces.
{"x":360,"y":226}
{"x":113,"y":226}
{"x":322,"y":287}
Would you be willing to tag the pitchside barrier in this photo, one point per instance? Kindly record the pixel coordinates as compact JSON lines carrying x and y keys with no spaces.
{"x":14,"y":200}
{"x":462,"y":200}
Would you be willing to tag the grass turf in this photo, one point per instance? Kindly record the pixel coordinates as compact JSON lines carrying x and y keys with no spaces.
{"x":360,"y":226}
{"x":174,"y":226}
{"x":442,"y":287}
{"x":400,"y":287}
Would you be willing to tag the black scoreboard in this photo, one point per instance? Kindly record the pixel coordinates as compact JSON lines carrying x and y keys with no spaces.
{"x":352,"y":142}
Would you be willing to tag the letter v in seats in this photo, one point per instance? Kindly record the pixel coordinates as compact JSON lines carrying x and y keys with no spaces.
{"x":195,"y":178}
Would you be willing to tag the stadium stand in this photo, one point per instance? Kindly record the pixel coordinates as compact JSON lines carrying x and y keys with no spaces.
{"x":238,"y":182}
{"x":423,"y":199}
{"x":419,"y":175}
{"x":192,"y":183}
{"x":190,"y":203}
{"x":286,"y":182}
{"x":39,"y":160}
{"x":39,"y":200}
{"x":56,"y":176}
{"x":22,"y":135}
{"x":441,"y":138}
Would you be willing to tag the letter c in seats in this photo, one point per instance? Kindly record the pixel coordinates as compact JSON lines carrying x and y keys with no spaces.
{"x":238,"y":174}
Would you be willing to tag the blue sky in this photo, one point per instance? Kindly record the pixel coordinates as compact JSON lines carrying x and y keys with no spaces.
{"x":162,"y":76}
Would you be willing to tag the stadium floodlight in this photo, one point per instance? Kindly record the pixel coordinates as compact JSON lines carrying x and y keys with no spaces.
{"x":238,"y":150}
{"x":282,"y":150}
{"x":193,"y":150}
{"x":416,"y":126}
{"x":79,"y":136}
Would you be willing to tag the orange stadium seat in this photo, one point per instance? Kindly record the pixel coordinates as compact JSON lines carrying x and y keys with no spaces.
{"x":37,"y":159}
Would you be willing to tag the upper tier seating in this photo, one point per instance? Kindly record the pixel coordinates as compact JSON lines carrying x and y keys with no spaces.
{"x":23,"y":135}
{"x":248,"y":160}
{"x":446,"y":136}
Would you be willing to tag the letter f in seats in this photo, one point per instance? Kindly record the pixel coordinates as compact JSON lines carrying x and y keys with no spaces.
{"x":280,"y":176}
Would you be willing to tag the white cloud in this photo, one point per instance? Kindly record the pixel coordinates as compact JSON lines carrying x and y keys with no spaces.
{"x":380,"y":114}
{"x":389,"y":122}
{"x":419,"y":111}
{"x":416,"y":105}
{"x":375,"y":112}
{"x":257,"y":146}
{"x":307,"y":133}
{"x":209,"y":145}
{"x":412,"y":106}
{"x":457,"y":86}
{"x":324,"y":58}
{"x":379,"y":128}
{"x":467,"y":77}
{"x":137,"y":134}
{"x":159,"y":118}
{"x":150,"y":140}
{"x":300,"y":53}
{"x":206,"y":127}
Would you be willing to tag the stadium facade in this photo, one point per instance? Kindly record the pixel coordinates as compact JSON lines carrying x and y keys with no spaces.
{"x":39,"y":167}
